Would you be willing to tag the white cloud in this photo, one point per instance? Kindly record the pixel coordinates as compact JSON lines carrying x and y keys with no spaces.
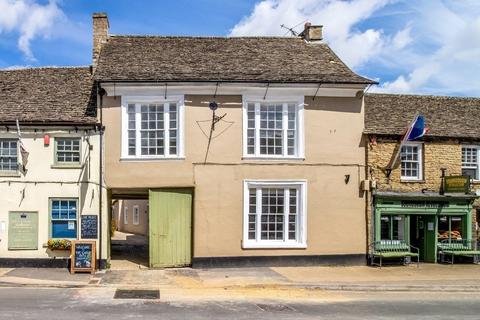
{"x":452,"y":67}
{"x":425,"y":46}
{"x":338,"y":17}
{"x":29,"y":19}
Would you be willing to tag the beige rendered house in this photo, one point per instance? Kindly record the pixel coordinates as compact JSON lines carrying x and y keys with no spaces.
{"x":249,"y":150}
{"x":414,"y":204}
{"x":49,"y":192}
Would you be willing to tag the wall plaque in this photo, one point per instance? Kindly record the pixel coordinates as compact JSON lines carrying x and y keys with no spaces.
{"x":23,"y":231}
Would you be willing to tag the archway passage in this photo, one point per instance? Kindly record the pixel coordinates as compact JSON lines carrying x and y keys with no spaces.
{"x":151,"y":228}
{"x":129,"y":230}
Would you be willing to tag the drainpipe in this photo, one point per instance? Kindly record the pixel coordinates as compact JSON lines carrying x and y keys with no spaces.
{"x":442,"y":185}
{"x":100,"y":92}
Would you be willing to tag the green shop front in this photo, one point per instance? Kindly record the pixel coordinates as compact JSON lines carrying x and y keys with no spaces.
{"x":422,"y":220}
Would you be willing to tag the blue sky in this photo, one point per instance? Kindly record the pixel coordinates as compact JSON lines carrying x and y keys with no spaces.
{"x":422,"y":46}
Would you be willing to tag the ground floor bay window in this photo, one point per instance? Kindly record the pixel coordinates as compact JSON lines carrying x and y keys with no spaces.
{"x":274,"y":214}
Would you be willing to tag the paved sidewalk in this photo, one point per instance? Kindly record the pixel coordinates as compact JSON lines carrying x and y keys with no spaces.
{"x":429,"y":277}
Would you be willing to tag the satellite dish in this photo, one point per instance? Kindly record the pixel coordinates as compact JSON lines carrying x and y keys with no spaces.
{"x":213,"y":106}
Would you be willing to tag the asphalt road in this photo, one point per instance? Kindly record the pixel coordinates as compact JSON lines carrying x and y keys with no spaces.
{"x":34,"y":303}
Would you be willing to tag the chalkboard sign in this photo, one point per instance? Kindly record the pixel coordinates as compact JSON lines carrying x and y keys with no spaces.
{"x":89,"y":226}
{"x":83,"y":256}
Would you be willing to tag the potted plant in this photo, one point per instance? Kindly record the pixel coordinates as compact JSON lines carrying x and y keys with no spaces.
{"x":59,"y":244}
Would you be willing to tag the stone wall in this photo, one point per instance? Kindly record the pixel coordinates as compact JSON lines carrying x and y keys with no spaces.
{"x":436,"y":155}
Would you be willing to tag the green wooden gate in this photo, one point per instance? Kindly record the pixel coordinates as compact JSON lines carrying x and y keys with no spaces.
{"x":170,"y":227}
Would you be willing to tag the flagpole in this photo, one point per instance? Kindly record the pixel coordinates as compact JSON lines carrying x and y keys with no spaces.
{"x":389,"y":168}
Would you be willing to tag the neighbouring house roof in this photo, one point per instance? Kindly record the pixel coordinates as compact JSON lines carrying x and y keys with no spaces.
{"x":228,"y":59}
{"x":47,"y":95}
{"x":390,"y":114}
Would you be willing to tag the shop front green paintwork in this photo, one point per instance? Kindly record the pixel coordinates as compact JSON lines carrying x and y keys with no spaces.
{"x":421,"y":216}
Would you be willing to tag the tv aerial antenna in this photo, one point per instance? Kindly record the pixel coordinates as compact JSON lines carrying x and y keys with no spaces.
{"x":292,"y":29}
{"x":213,"y":105}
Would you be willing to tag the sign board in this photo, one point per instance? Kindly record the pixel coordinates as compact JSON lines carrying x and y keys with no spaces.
{"x":458,"y":184}
{"x":88,"y":227}
{"x":83,"y":256}
{"x":23,"y":231}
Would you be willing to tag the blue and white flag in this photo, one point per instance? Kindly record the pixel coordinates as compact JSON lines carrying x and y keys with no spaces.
{"x":416,"y":130}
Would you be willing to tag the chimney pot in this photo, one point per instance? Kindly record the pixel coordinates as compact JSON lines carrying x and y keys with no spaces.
{"x":312,"y":33}
{"x":100,"y":34}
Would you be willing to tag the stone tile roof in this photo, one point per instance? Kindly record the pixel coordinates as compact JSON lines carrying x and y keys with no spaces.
{"x":445,"y":116}
{"x":236,"y":59}
{"x":47,"y":95}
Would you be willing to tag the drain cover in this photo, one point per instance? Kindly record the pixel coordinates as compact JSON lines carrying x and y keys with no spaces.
{"x":274,"y":307}
{"x":137,"y":294}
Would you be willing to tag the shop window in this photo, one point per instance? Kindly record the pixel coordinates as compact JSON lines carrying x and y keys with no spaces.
{"x":470,"y":162}
{"x":411,"y":162}
{"x":450,"y":227}
{"x":63,"y":217}
{"x":274,"y":214}
{"x":125,"y":215}
{"x":392,"y":227}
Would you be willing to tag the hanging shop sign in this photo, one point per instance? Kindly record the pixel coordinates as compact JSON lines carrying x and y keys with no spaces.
{"x":456,"y":184}
{"x":83,"y":256}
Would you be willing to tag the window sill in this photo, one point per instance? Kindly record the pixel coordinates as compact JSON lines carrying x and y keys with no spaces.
{"x":274,"y":246}
{"x":412,"y":181}
{"x":274,"y":158}
{"x":123,"y":159}
{"x":66,"y":166}
{"x":15,"y":174}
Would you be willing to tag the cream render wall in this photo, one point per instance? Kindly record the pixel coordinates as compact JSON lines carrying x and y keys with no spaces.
{"x":118,"y":214}
{"x":333,"y":149}
{"x":32,"y":191}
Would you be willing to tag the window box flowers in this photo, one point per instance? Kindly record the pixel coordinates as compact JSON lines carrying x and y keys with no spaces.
{"x":59,"y":244}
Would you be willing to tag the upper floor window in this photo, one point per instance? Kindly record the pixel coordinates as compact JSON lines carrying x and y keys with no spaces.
{"x":274,"y":214}
{"x":470,"y":162}
{"x":152,"y":129}
{"x":67,"y":150}
{"x":273,"y":129}
{"x":411,"y":162}
{"x":8,"y":155}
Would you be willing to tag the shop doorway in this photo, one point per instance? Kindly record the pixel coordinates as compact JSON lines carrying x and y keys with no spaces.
{"x":423,"y":236}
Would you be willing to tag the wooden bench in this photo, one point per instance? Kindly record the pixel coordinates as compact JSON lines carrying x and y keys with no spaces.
{"x":386,"y":249}
{"x":458,"y":248}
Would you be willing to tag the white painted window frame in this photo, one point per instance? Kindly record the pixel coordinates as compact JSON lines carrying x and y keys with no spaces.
{"x":137,"y":100}
{"x":301,"y":241}
{"x":125,"y":215}
{"x":136,"y":215}
{"x":300,"y":123}
{"x":419,"y":177}
{"x":476,"y":147}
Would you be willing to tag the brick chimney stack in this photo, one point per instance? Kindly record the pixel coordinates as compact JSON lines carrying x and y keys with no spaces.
{"x":100,"y":34}
{"x":312,"y":33}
